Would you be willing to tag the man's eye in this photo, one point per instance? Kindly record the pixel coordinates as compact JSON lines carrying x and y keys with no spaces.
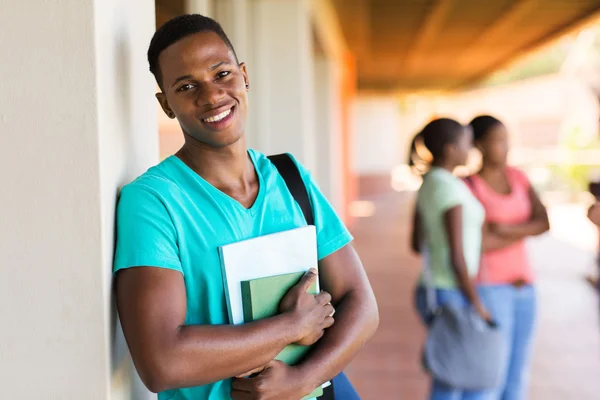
{"x":185,"y":87}
{"x":223,"y":74}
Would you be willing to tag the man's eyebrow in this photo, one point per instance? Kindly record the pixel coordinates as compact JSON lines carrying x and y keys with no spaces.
{"x":217,"y":65}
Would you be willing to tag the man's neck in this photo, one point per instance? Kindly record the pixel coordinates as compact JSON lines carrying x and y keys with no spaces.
{"x":222,"y":167}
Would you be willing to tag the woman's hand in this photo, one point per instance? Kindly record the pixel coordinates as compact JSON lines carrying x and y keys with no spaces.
{"x":484,"y":314}
{"x":500,"y":229}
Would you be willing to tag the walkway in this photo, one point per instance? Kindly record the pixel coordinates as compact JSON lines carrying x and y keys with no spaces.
{"x":567,"y":353}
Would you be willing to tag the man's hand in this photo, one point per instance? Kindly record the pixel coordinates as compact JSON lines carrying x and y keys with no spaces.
{"x":277,"y":381}
{"x":314,"y":313}
{"x":594,"y":213}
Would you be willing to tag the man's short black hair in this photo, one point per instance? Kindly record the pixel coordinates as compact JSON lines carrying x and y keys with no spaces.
{"x":178,"y":28}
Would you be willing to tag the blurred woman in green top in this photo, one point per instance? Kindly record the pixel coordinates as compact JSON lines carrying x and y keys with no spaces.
{"x":448,"y":231}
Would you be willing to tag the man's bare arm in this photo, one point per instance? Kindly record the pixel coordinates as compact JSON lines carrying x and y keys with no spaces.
{"x":356,"y":317}
{"x":152,"y":307}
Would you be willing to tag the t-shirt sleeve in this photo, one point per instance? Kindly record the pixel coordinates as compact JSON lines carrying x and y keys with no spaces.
{"x":448,"y":195}
{"x":332,"y":234}
{"x":146,"y":235}
{"x":520,"y":178}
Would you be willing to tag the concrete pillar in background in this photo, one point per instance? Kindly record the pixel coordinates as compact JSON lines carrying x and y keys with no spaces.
{"x":204,"y":7}
{"x":281,"y":79}
{"x":329,"y":130}
{"x":77,"y":121}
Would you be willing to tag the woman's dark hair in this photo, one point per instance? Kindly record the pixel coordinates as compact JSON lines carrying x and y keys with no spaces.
{"x":178,"y":28}
{"x":482,"y":125}
{"x":435,"y":136}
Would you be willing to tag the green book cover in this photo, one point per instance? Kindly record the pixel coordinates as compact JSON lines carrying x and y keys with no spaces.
{"x":261,"y":298}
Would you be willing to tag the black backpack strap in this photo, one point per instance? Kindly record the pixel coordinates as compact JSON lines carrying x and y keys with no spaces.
{"x":291,"y":175}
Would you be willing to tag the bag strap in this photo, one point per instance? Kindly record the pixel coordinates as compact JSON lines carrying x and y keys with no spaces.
{"x":291,"y":175}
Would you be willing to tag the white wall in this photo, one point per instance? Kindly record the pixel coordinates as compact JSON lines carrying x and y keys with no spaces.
{"x":376,"y":135}
{"x":76,"y":121}
{"x":127,"y":130}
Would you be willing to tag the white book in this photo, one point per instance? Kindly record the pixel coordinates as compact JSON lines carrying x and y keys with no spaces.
{"x":275,"y":254}
{"x":264,"y":256}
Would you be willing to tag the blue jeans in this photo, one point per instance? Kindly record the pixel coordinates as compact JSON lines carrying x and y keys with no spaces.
{"x":440,"y":391}
{"x":344,"y":389}
{"x":514,"y":309}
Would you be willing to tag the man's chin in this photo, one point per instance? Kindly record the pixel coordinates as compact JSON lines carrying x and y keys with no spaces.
{"x":218,"y":143}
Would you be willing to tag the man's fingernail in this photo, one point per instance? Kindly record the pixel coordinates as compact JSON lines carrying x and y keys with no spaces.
{"x":313,"y":271}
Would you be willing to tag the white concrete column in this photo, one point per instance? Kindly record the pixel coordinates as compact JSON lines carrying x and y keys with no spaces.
{"x":376,"y":135}
{"x":204,"y":7}
{"x":77,"y":121}
{"x":281,"y":79}
{"x":234,"y":17}
{"x":329,"y":131}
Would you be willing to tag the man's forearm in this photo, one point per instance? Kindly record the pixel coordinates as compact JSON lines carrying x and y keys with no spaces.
{"x":202,"y":354}
{"x":356,"y":320}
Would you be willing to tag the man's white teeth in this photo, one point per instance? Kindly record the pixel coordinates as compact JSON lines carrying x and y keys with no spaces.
{"x":219,"y":117}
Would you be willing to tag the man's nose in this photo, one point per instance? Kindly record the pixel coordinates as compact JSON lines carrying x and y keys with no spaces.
{"x":210,"y":95}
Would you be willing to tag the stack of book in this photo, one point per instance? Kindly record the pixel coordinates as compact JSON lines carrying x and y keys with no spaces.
{"x":258,"y":273}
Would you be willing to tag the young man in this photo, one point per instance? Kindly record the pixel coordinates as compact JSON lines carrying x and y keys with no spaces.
{"x":214,"y":191}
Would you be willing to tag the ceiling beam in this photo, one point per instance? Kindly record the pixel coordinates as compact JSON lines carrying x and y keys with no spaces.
{"x":498,"y":29}
{"x":427,"y":33}
{"x":589,"y":17}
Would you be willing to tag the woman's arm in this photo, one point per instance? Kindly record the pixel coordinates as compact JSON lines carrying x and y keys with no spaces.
{"x":493,"y":241}
{"x":537,"y":224}
{"x":416,"y":232}
{"x":453,"y":225}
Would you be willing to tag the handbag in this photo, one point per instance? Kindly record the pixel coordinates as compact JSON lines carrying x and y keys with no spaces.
{"x":340,"y":388}
{"x":461,"y":349}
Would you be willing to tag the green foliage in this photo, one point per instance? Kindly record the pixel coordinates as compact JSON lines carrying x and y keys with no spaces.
{"x":575,"y":175}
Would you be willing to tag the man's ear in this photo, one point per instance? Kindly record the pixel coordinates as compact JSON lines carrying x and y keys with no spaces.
{"x":162,"y":99}
{"x":245,"y":74}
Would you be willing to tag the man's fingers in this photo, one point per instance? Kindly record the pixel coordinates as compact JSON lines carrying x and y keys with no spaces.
{"x":252,"y":372}
{"x":308,"y":279}
{"x":328,"y":310}
{"x":243,"y":384}
{"x":323,"y":297}
{"x":329,"y":321}
{"x":241,"y":395}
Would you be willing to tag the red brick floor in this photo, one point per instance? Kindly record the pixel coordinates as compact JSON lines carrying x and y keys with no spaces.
{"x":567,"y":353}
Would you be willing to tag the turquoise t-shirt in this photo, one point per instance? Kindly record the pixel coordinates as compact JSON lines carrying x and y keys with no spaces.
{"x":440,"y":192}
{"x":172,"y":218}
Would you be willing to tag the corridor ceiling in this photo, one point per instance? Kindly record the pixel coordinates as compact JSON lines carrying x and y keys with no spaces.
{"x":449,"y":44}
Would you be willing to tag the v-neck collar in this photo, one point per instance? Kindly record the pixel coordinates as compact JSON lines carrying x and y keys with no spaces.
{"x":222,"y":195}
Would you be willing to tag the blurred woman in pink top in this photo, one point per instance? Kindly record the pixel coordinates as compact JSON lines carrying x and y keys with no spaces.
{"x":513,"y":213}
